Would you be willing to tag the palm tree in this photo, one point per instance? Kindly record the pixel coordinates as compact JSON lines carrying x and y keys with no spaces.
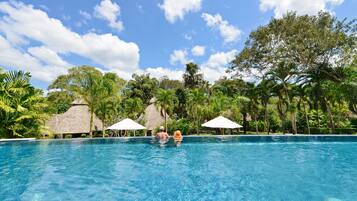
{"x":165,"y":101}
{"x":108,"y":107}
{"x":242,"y":102}
{"x":87,"y":83}
{"x":196,"y":100}
{"x":22,"y":107}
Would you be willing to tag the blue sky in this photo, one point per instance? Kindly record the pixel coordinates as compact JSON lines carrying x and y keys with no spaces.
{"x":128,"y":36}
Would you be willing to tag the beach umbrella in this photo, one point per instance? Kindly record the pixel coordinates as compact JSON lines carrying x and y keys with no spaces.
{"x":222,"y":123}
{"x":126,"y":124}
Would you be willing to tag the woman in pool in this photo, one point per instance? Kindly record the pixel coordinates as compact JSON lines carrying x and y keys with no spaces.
{"x":177,"y":137}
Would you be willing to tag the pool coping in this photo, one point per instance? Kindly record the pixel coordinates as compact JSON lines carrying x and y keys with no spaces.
{"x":17,"y":139}
{"x":206,"y":136}
{"x":185,"y":136}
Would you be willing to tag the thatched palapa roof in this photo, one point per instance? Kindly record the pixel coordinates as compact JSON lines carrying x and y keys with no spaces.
{"x":74,"y":120}
{"x":153,"y":118}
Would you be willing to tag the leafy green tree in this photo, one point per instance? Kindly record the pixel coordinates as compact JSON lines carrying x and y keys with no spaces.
{"x":196,"y":100}
{"x":141,"y":86}
{"x":165,"y":100}
{"x":93,"y":87}
{"x":243,"y":103}
{"x":180,"y":107}
{"x":108,"y":107}
{"x":192,"y":78}
{"x":229,"y":87}
{"x":166,"y":83}
{"x":133,"y":107}
{"x":22,"y":107}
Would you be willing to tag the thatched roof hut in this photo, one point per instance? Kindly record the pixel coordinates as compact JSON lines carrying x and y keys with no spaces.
{"x":74,"y":121}
{"x":152,"y":117}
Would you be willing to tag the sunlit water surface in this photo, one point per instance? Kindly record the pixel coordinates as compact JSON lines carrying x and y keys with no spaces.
{"x":203,"y":169}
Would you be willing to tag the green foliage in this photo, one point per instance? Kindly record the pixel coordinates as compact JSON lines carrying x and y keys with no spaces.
{"x":184,"y":125}
{"x":141,"y":86}
{"x":192,"y":79}
{"x":165,"y":101}
{"x":312,"y":69}
{"x":133,"y":107}
{"x":166,"y":83}
{"x":100,"y":92}
{"x":22,"y":107}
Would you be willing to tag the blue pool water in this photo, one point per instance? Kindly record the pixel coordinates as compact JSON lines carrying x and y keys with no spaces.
{"x":229,"y":168}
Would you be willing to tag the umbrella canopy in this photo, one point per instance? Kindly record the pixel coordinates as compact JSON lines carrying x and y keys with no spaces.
{"x":221,"y":122}
{"x":126,"y":124}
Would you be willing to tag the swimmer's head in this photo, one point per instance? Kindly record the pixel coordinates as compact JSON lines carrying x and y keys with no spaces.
{"x":177,"y":132}
{"x":161,"y":128}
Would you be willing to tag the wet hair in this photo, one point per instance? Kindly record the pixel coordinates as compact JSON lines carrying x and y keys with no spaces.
{"x":177,"y":132}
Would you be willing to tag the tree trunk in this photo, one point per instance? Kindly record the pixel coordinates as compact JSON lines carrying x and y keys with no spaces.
{"x":266,"y":119}
{"x":197,"y":126}
{"x":256,"y":124}
{"x":91,"y":124}
{"x":103,"y":129}
{"x":293,"y":122}
{"x":165,"y":121}
{"x":281,"y":116}
{"x":330,"y":115}
{"x":318,"y":115}
{"x":245,"y":122}
{"x":307,"y":120}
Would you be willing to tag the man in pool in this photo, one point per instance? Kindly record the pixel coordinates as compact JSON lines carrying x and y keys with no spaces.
{"x":162,"y":135}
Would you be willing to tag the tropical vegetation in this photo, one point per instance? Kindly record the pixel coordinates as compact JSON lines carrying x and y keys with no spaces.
{"x":302,"y":74}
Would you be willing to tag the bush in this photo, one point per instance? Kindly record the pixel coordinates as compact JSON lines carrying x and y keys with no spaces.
{"x":83,"y":135}
{"x":315,"y":130}
{"x":68,"y":136}
{"x":345,"y":130}
{"x":184,"y":125}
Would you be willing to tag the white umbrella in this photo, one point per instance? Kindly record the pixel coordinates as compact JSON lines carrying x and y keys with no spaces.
{"x":127,"y":124}
{"x":221,"y":122}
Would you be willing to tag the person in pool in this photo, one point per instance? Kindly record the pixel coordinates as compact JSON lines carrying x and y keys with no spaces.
{"x":177,"y":137}
{"x":162,"y":135}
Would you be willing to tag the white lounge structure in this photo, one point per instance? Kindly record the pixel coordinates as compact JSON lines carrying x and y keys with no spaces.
{"x":221,"y":123}
{"x":127,"y":124}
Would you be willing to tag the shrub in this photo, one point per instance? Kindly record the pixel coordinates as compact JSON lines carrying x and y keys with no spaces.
{"x":184,"y":125}
{"x":68,"y":136}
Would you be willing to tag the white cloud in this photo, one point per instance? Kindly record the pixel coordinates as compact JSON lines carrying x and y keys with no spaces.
{"x":109,"y":11}
{"x":85,"y":15}
{"x":300,"y":6}
{"x":42,"y":70}
{"x":228,"y":32}
{"x":179,"y":56}
{"x":176,"y":9}
{"x":48,"y":56}
{"x":213,"y":69}
{"x":159,"y":72}
{"x":216,"y":65}
{"x":23,"y":24}
{"x":198,"y":50}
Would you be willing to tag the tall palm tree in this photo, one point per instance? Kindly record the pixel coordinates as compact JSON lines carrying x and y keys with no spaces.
{"x":87,"y":83}
{"x":165,"y":101}
{"x":196,"y":100}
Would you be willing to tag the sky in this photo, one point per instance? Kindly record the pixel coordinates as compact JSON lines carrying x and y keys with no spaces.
{"x":157,"y":37}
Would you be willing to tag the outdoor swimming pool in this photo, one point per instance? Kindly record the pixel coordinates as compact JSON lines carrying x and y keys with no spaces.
{"x":202,"y":168}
